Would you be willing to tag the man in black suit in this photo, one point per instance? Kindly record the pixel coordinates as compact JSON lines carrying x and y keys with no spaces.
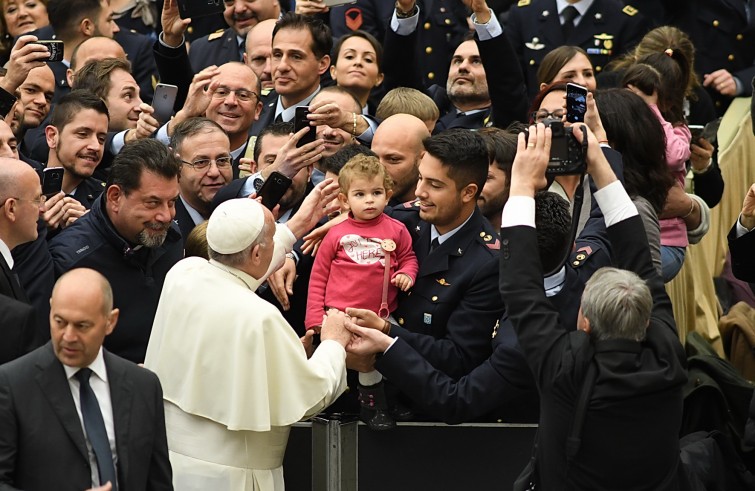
{"x":626,"y":331}
{"x":742,"y":241}
{"x":205,"y":152}
{"x":17,"y":319}
{"x":485,"y":85}
{"x":74,"y":416}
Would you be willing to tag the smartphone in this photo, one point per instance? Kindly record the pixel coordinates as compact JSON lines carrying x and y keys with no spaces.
{"x":163,"y":101}
{"x":576,"y":103}
{"x":55,"y":48}
{"x":301,"y":121}
{"x":336,"y":3}
{"x":199,"y":8}
{"x":273,"y":189}
{"x":696,"y":130}
{"x":710,"y":132}
{"x":52,"y":181}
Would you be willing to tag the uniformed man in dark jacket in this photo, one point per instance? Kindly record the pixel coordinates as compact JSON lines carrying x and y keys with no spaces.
{"x":224,"y":46}
{"x":723,"y":32}
{"x":129,"y":236}
{"x":603,"y":28}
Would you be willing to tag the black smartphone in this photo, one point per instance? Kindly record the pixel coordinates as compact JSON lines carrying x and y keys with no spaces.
{"x":576,"y":103}
{"x":696,"y":130}
{"x":55,"y":48}
{"x":199,"y":8}
{"x":273,"y":189}
{"x":52,"y":181}
{"x":163,"y":101}
{"x":301,"y":121}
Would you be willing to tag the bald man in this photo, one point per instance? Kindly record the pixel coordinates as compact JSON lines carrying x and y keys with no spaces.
{"x":85,"y":416}
{"x":398,"y":143}
{"x":93,"y":49}
{"x":259,"y":47}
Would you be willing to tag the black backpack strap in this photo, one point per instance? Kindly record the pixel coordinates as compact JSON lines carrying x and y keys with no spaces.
{"x":575,"y":435}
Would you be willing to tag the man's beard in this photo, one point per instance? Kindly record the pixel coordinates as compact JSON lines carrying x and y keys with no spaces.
{"x":464,"y":96}
{"x":153,"y":240}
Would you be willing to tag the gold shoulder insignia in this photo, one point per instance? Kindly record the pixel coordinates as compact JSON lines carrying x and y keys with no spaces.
{"x":603,"y":36}
{"x":216,"y":35}
{"x":103,"y":184}
{"x":630,"y":11}
{"x":523,"y":3}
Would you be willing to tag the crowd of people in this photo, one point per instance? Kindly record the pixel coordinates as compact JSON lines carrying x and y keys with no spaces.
{"x":443,"y":245}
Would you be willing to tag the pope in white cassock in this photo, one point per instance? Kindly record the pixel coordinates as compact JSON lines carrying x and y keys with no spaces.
{"x":235,"y":376}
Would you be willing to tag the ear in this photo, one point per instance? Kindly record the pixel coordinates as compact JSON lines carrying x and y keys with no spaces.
{"x":69,"y":77}
{"x":257,"y":109}
{"x":542,"y":86}
{"x":9,"y":210}
{"x":344,"y":201}
{"x":583,"y":323}
{"x":468,"y":193}
{"x":86,"y":27}
{"x":245,"y":59}
{"x":256,"y":256}
{"x":323,"y":64}
{"x":388,"y":194}
{"x":112,"y":320}
{"x":379,"y":80}
{"x":51,"y":134}
{"x":333,"y":73}
{"x":114,"y":194}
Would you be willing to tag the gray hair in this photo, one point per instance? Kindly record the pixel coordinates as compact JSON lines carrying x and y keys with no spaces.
{"x":618,"y":304}
{"x":237,"y":259}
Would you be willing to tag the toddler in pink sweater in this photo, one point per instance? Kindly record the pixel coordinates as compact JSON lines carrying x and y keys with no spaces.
{"x":363,"y":262}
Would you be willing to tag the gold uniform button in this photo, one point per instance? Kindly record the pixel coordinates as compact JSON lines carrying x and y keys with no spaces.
{"x":190,"y":30}
{"x":740,"y":37}
{"x":427,"y":26}
{"x":532,"y":62}
{"x":401,"y":321}
{"x":715,"y":23}
{"x":576,"y":263}
{"x":431,"y":75}
{"x":435,"y":298}
{"x":718,"y":103}
{"x":598,"y":68}
{"x":443,"y":10}
{"x":730,"y":57}
{"x":447,"y":21}
{"x":429,"y":50}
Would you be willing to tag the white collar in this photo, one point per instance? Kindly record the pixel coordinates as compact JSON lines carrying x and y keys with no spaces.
{"x":248,"y":280}
{"x":5,"y":251}
{"x":434,"y":234}
{"x":97,"y":366}
{"x":555,"y":282}
{"x":289,"y":112}
{"x":581,"y":6}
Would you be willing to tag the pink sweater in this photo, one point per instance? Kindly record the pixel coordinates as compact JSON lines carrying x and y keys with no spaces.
{"x":678,"y":138}
{"x":349,"y":267}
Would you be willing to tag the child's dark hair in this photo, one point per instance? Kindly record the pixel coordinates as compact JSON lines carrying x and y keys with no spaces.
{"x":663,"y":73}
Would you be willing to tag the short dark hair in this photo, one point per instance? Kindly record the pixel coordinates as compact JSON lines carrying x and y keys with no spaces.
{"x":553,"y":224}
{"x":142,"y":155}
{"x":280,"y":128}
{"x":335,"y":162}
{"x":502,"y":150}
{"x":191,"y":127}
{"x":74,"y":102}
{"x":463,"y":153}
{"x":322,"y":39}
{"x":65,"y":15}
{"x":95,"y":75}
{"x":366,"y":36}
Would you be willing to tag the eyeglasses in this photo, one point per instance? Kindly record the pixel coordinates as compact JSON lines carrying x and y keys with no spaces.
{"x":39,"y":201}
{"x":241,"y":94}
{"x":204,"y":164}
{"x":542,"y":114}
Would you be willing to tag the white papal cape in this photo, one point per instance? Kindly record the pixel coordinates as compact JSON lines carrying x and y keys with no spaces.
{"x":234,"y":375}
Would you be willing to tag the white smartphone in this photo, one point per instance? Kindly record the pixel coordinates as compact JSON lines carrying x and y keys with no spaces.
{"x":165,"y":98}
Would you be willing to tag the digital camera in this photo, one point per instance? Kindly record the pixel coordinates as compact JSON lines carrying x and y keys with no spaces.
{"x":567,"y":154}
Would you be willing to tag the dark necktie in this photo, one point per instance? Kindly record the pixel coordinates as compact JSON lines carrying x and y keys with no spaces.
{"x":95,"y":428}
{"x":242,"y":48}
{"x":434,"y":244}
{"x":279,"y":118}
{"x":570,"y":13}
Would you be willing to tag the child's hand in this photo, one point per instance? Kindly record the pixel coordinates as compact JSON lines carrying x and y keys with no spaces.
{"x":402,"y":281}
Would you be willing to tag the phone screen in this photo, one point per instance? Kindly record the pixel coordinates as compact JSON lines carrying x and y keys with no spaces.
{"x":576,"y":103}
{"x":301,"y":121}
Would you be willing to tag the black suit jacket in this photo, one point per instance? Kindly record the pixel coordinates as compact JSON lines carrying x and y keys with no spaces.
{"x":183,"y":220}
{"x":9,"y":284}
{"x":742,"y":261}
{"x":42,"y":443}
{"x":17,"y":327}
{"x":221,"y":49}
{"x":636,"y":404}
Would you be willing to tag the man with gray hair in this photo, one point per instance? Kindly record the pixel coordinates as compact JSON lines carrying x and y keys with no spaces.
{"x":611,"y":391}
{"x":235,"y":375}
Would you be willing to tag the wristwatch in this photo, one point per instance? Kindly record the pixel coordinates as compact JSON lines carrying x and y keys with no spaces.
{"x":404,"y":15}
